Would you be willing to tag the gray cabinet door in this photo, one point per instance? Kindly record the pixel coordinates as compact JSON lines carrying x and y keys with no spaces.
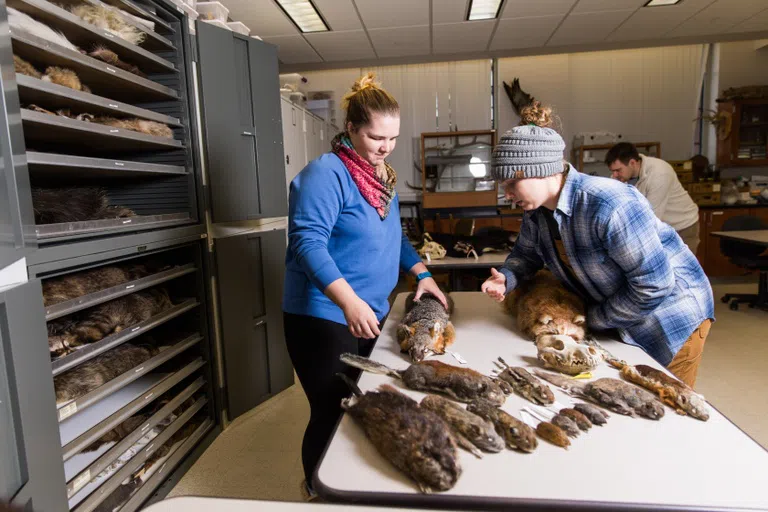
{"x":243,"y":134}
{"x":251,"y":270}
{"x":31,"y":471}
{"x":17,"y":225}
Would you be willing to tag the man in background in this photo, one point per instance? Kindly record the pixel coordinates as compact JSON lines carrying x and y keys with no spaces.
{"x":657,"y":181}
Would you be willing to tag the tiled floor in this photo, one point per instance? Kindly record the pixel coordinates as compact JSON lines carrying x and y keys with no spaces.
{"x":258,"y":456}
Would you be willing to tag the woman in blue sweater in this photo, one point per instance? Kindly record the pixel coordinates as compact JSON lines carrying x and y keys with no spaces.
{"x":345,"y":249}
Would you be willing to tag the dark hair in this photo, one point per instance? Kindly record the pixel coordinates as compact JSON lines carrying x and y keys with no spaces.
{"x":624,"y":152}
{"x":365,"y":98}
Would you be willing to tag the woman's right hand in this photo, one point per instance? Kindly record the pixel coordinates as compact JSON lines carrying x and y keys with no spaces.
{"x":361,"y":320}
{"x":495,"y":286}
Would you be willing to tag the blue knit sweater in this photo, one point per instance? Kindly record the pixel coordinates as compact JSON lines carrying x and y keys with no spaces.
{"x":332,"y":233}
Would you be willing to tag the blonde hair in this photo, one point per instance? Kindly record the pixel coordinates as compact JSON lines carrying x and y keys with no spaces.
{"x":365,"y":98}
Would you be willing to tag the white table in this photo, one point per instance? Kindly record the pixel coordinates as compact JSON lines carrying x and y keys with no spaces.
{"x":757,"y":236}
{"x":629,"y":464}
{"x":197,"y":504}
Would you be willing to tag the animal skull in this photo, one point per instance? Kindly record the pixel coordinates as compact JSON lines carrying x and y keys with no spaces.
{"x":564,"y":354}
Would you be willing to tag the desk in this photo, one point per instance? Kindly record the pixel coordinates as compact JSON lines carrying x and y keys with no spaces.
{"x":196,"y":504}
{"x":677,"y":463}
{"x":456,"y":265}
{"x":758,"y":236}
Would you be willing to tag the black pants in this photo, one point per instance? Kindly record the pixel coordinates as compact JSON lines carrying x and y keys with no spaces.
{"x":315,"y":345}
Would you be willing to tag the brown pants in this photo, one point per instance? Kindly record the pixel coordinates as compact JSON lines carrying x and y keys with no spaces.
{"x":690,"y":236}
{"x":685,"y":364}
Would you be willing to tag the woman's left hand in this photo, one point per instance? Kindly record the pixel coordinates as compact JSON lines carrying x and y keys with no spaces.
{"x":429,"y":285}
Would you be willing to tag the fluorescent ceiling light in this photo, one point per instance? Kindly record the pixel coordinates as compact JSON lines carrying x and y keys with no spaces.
{"x":658,"y":3}
{"x":483,"y":9}
{"x":304,"y":14}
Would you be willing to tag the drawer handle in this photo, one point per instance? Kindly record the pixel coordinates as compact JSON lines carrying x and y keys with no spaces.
{"x":248,"y":134}
{"x":718,"y":213}
{"x":260,"y":322}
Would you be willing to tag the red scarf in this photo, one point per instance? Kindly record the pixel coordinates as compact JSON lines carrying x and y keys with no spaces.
{"x":376,"y":191}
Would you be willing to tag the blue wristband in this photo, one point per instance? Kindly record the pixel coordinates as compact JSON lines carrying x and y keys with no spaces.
{"x":423,"y":275}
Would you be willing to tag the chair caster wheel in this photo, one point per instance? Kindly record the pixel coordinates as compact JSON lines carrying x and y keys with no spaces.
{"x":734,"y":306}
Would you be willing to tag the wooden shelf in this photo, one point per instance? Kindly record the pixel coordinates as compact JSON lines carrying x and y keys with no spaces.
{"x":577,"y":152}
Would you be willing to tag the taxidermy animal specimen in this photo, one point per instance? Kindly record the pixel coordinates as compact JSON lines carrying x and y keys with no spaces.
{"x":462,"y":384}
{"x":74,"y":204}
{"x":414,"y":439}
{"x":543,"y":305}
{"x":68,"y":287}
{"x":596,"y":415}
{"x":426,"y":327}
{"x":613,"y":394}
{"x":64,"y":77}
{"x":471,"y":431}
{"x":25,"y":25}
{"x":517,"y":434}
{"x":553,"y":434}
{"x":525,"y":384}
{"x":132,"y":123}
{"x":519,"y":98}
{"x":109,"y":20}
{"x":65,"y":335}
{"x":672,"y":392}
{"x":561,"y":353}
{"x":23,"y":67}
{"x":110,"y":57}
{"x":100,"y":370}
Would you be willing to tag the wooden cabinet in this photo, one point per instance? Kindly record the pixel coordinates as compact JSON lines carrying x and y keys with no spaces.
{"x":742,"y":138}
{"x":512,"y":223}
{"x":709,"y":255}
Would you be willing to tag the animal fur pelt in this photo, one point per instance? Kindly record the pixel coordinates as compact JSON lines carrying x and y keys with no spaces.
{"x":106,"y":55}
{"x":544,"y":306}
{"x":65,"y":77}
{"x":97,"y":323}
{"x":71,"y":286}
{"x":519,"y":98}
{"x":133,"y":123}
{"x":461,"y":246}
{"x":100,"y":370}
{"x":74,"y":204}
{"x":26,"y":25}
{"x":119,"y":496}
{"x":23,"y":67}
{"x":109,"y":20}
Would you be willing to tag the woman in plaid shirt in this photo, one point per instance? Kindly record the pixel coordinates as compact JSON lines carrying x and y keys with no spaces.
{"x":602,"y":240}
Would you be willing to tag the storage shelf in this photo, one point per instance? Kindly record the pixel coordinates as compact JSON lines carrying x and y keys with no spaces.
{"x":92,"y":350}
{"x":86,"y":36}
{"x":99,"y":76}
{"x":158,"y":476}
{"x":83,"y":430}
{"x":92,"y":299}
{"x":78,"y":405}
{"x":69,"y":230}
{"x":73,"y":427}
{"x":54,"y":164}
{"x":92,"y":495}
{"x":53,"y":96}
{"x":79,"y":469}
{"x":154,"y":41}
{"x":133,"y":8}
{"x":39,"y":127}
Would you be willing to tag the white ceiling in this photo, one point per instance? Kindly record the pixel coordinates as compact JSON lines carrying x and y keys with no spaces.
{"x":370,"y":32}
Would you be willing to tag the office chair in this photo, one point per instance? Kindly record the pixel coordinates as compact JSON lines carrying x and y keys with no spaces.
{"x":747,"y":256}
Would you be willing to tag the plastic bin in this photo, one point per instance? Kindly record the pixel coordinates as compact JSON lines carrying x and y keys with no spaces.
{"x":209,"y":11}
{"x":239,"y":27}
{"x":218,"y":23}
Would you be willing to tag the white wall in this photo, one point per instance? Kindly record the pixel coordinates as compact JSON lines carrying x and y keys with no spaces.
{"x":741,"y":64}
{"x":432,"y":97}
{"x":645,"y":95}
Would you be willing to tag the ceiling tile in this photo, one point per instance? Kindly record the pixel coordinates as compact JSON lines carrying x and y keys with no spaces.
{"x":398,"y":42}
{"x":263,"y":17}
{"x":342,"y":45}
{"x":654,"y":22}
{"x":340,"y":14}
{"x":449,"y":11}
{"x":393,"y":13}
{"x":607,"y":5}
{"x":528,"y":8}
{"x":470,"y":36}
{"x":524,"y":32}
{"x":588,"y":28}
{"x":721,"y":16}
{"x":754,"y":23}
{"x":293,"y":49}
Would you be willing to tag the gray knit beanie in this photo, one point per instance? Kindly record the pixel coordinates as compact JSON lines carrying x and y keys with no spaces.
{"x":528,"y":151}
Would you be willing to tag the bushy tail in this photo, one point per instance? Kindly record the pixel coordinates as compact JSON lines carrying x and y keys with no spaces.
{"x":368,"y":365}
